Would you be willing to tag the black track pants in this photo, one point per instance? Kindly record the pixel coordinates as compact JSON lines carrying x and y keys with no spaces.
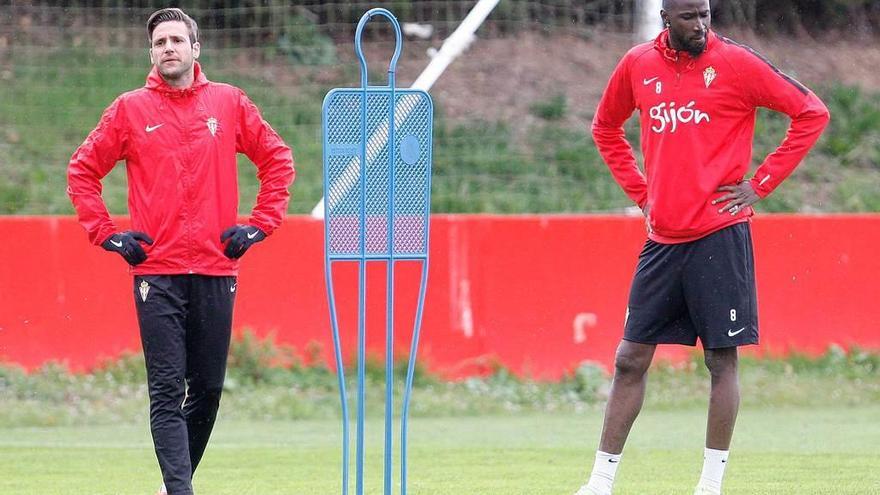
{"x":185,"y":323}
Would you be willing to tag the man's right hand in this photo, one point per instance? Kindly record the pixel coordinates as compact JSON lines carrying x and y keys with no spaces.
{"x":127,"y":244}
{"x":647,"y":212}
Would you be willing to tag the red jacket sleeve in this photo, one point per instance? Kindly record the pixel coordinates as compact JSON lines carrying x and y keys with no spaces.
{"x":615,"y":107}
{"x":274,"y":161}
{"x":767,"y":87}
{"x":91,"y":162}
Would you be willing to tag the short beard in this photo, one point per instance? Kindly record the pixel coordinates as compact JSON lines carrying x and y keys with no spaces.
{"x":696,"y":51}
{"x":174,"y":74}
{"x":692,"y":49}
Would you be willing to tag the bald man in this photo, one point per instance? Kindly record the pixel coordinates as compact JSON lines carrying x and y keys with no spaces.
{"x":697,"y":94}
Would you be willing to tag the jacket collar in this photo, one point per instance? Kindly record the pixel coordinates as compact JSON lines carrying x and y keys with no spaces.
{"x":157,"y":83}
{"x":661,"y":44}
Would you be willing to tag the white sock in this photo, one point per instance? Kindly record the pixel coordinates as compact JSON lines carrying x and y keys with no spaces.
{"x":604,"y":471}
{"x":714,"y":462}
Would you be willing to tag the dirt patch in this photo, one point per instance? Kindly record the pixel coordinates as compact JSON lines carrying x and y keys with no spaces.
{"x":499,"y":79}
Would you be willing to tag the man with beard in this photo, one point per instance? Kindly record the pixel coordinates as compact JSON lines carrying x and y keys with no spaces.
{"x":697,"y":95}
{"x":179,"y":136}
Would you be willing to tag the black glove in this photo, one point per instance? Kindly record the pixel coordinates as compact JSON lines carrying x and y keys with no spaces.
{"x":127,"y":244}
{"x":240,"y":238}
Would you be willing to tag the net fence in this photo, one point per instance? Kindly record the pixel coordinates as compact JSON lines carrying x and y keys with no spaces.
{"x":510,"y":120}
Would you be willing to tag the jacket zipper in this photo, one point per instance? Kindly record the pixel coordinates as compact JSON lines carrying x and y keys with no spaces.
{"x":187,"y":135}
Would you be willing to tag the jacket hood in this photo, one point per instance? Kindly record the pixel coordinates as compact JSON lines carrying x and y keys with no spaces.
{"x":661,"y":44}
{"x":157,"y":83}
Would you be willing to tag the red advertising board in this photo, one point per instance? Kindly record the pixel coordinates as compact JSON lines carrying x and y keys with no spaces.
{"x":538,"y":294}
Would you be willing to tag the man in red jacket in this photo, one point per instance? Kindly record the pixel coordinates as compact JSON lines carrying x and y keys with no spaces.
{"x":697,"y":95}
{"x":179,"y":136}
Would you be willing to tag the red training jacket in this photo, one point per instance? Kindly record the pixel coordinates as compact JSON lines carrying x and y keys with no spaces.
{"x":180,"y":149}
{"x":697,"y":118}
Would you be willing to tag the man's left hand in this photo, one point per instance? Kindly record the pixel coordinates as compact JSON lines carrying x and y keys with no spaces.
{"x":738,"y":197}
{"x":240,"y":238}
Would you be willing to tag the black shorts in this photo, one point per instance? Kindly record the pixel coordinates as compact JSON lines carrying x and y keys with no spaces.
{"x":704,"y":288}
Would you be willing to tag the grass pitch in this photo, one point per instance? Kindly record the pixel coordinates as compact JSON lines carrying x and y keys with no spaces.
{"x":789,"y":450}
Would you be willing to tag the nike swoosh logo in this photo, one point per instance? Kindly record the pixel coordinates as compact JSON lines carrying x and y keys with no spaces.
{"x":615,"y":461}
{"x":116,"y":243}
{"x":253,"y":234}
{"x":151,"y":128}
{"x":649,"y":81}
{"x":731,"y":333}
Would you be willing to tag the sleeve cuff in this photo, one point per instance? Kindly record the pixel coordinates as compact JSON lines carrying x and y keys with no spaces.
{"x":103,"y":235}
{"x":761,"y":187}
{"x":265,"y":228}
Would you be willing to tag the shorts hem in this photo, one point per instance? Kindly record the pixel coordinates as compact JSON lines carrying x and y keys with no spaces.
{"x":728,"y":345}
{"x":660,"y":342}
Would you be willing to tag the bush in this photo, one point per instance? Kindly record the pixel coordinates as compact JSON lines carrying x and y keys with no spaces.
{"x":553,"y":108}
{"x":302,"y":41}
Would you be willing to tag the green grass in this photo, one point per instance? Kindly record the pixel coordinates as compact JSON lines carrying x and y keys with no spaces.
{"x":827,"y":450}
{"x":56,"y":97}
{"x":807,"y":425}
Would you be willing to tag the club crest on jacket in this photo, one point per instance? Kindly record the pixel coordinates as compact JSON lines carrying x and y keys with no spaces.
{"x":212,"y":125}
{"x":709,"y":75}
